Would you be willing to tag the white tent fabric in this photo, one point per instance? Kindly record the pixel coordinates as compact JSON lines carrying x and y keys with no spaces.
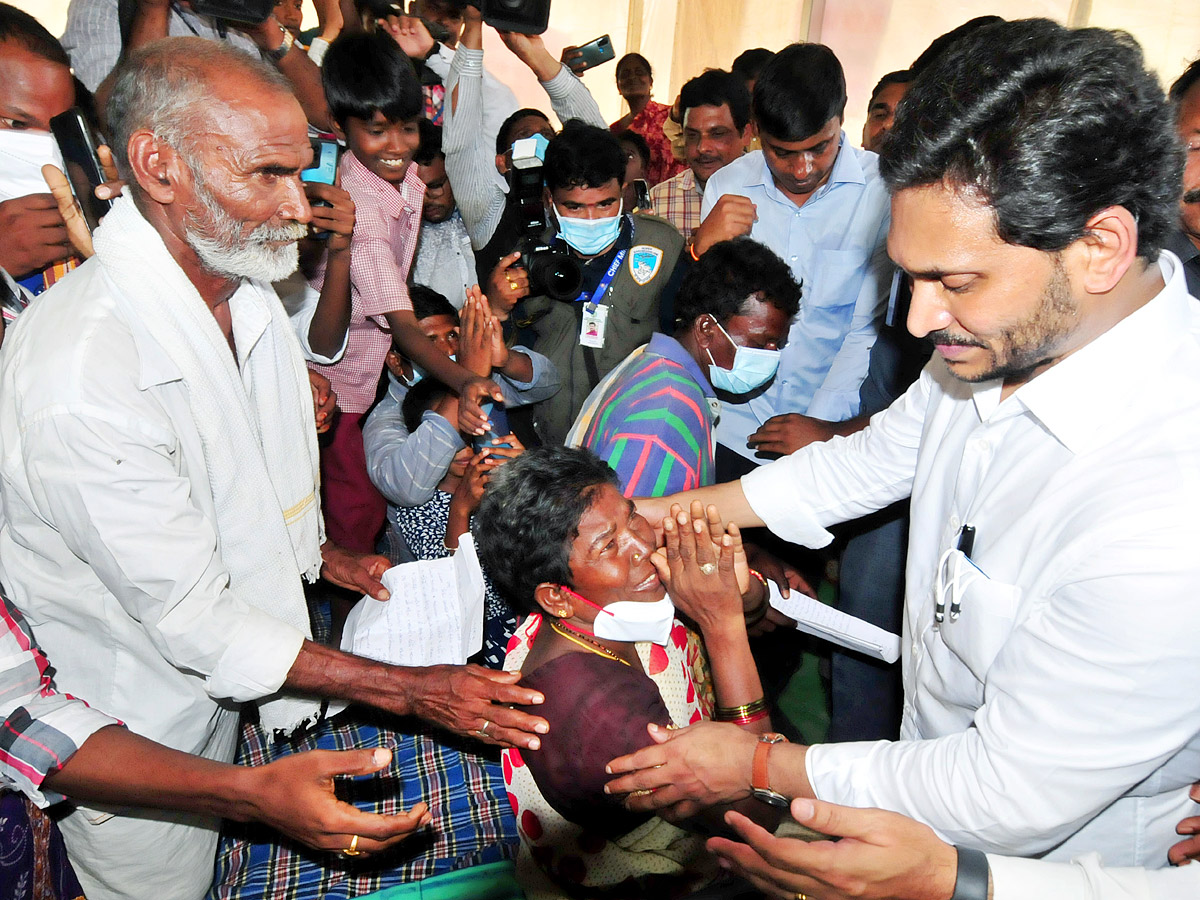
{"x":871,"y":37}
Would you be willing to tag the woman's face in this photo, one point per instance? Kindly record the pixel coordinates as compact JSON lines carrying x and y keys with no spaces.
{"x":610,"y":557}
{"x":633,"y":78}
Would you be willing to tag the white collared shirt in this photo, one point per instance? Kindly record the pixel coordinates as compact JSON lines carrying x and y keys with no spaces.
{"x":1059,"y":714}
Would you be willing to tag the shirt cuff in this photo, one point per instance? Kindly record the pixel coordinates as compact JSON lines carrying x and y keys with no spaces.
{"x":257,"y":660}
{"x":469,"y":61}
{"x":772,"y":500}
{"x":538,"y":363}
{"x":1014,"y":878}
{"x":559,"y":87}
{"x":43,"y":746}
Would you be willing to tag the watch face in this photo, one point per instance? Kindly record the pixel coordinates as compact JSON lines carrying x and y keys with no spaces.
{"x":771,"y":798}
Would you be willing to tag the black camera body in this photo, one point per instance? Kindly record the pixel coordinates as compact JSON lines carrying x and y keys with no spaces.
{"x":553,"y":272}
{"x":524,"y":16}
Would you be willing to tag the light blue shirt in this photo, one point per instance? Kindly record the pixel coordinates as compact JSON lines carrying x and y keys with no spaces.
{"x":836,"y":246}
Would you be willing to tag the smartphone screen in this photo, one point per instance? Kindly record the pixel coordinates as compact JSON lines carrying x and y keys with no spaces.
{"x":325,"y":162}
{"x":78,"y":144}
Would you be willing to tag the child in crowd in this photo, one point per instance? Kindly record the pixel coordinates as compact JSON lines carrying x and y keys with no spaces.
{"x":375,"y":101}
{"x":433,"y":529}
{"x":407,"y":465}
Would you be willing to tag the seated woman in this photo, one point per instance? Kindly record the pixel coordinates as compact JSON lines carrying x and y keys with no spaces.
{"x":603,"y":644}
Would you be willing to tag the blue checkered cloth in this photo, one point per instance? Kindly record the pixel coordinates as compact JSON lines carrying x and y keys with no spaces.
{"x":472,"y":821}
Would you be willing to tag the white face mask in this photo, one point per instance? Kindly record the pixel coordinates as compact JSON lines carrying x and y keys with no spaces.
{"x":22,"y":155}
{"x":630,"y":620}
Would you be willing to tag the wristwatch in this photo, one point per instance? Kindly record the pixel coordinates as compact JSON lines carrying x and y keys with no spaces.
{"x":759,"y":782}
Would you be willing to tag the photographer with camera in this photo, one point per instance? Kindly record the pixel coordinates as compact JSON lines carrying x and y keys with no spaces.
{"x":479,"y":165}
{"x":627,"y":267}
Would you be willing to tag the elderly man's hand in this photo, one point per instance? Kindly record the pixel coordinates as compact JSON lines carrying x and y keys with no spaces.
{"x":879,"y":855}
{"x":686,"y":770}
{"x":474,"y":702}
{"x":354,"y":571}
{"x":295,"y":796}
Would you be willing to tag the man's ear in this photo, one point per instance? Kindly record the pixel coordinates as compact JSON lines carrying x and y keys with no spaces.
{"x":704,"y":331}
{"x":1106,"y":251}
{"x":502,"y":164}
{"x":155,"y":166}
{"x":747,"y":134}
{"x":554,"y":600}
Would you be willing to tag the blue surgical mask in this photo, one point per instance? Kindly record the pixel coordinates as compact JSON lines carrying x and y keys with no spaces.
{"x":590,"y":237}
{"x":752,"y":368}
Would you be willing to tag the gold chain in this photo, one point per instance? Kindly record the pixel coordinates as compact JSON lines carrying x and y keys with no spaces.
{"x":586,"y":643}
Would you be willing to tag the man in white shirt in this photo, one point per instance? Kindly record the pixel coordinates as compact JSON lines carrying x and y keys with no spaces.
{"x":1051,"y":450}
{"x":159,"y":481}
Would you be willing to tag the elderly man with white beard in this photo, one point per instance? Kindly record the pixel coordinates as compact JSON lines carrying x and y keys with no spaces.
{"x":159,"y":474}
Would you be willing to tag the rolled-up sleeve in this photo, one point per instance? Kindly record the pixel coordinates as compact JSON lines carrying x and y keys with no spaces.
{"x":41,"y":728}
{"x":1086,"y":878}
{"x":110,"y":483}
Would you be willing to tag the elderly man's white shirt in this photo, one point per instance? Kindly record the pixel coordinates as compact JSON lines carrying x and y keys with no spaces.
{"x":108,"y":545}
{"x":1059,"y":714}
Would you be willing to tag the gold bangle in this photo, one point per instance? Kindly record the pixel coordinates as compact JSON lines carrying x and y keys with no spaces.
{"x":759,"y":575}
{"x":722,"y":713}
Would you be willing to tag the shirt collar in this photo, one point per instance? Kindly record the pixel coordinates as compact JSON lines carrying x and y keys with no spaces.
{"x":668,"y":348}
{"x":846,"y":170}
{"x":394,"y":202}
{"x":687,"y":181}
{"x":1075,"y":398}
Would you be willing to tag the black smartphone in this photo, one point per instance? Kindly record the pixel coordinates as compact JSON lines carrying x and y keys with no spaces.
{"x":597,"y":51}
{"x":251,"y":12}
{"x":499,"y":430}
{"x":641,"y":193}
{"x":78,"y":143}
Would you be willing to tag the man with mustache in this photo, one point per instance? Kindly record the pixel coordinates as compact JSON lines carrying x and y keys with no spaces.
{"x":1185,"y":94}
{"x":715,"y":108}
{"x":159,"y":483}
{"x":1050,"y":449}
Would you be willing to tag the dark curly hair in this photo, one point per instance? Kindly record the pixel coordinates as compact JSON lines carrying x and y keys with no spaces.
{"x":582,"y":155}
{"x":728,"y":275}
{"x":1048,"y":125}
{"x":529,"y":516}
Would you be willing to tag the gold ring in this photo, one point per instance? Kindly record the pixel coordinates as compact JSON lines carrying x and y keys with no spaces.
{"x":352,"y":850}
{"x":708,"y":568}
{"x":801,"y":896}
{"x":644,"y":792}
{"x":512,"y":285}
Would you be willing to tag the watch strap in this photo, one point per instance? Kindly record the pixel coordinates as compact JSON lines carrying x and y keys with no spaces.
{"x":759,"y":779}
{"x":971,"y":881}
{"x":282,"y":50}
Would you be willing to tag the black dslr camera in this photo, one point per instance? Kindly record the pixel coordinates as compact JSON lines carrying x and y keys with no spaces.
{"x":556,"y":273}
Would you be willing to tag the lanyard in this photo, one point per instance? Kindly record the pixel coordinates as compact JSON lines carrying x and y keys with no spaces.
{"x":613,"y":268}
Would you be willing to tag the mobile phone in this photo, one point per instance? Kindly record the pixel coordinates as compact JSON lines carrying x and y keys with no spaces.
{"x":598,"y":51}
{"x":327,"y":152}
{"x":78,"y":143}
{"x":499,"y":430}
{"x":326,"y":155}
{"x":641,"y":193}
{"x":252,"y":12}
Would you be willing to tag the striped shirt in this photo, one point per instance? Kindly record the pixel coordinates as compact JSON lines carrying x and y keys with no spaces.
{"x":652,"y":420}
{"x":678,"y":201}
{"x":41,"y":728}
{"x":387,"y":223}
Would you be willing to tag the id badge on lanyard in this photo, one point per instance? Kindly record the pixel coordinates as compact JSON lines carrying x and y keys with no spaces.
{"x":594,"y":323}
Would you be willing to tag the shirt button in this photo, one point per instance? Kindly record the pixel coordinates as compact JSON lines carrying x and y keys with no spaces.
{"x":954,"y":522}
{"x":794,"y":258}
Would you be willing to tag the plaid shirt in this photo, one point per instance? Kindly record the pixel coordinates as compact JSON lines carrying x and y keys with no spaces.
{"x":386,"y":225}
{"x":678,"y":201}
{"x":41,"y":728}
{"x":473,"y":823}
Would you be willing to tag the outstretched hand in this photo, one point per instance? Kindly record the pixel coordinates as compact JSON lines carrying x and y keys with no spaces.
{"x":295,"y":796}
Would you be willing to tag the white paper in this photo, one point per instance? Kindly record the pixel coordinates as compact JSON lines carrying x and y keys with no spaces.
{"x":823,"y":621}
{"x":434,"y":616}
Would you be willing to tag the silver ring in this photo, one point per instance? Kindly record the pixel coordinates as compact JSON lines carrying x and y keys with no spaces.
{"x":708,"y":568}
{"x":482,"y":732}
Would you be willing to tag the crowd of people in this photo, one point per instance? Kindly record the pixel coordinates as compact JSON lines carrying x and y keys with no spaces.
{"x":650,"y":367}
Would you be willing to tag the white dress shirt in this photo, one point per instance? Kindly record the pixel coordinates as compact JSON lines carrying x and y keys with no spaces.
{"x":108,"y":545}
{"x":836,"y":246}
{"x":1086,"y":878}
{"x":1059,"y":713}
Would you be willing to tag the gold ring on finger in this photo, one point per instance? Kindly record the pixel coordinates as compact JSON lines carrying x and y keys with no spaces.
{"x":800,"y":895}
{"x":352,"y":850}
{"x":708,"y":568}
{"x":643,"y":792}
